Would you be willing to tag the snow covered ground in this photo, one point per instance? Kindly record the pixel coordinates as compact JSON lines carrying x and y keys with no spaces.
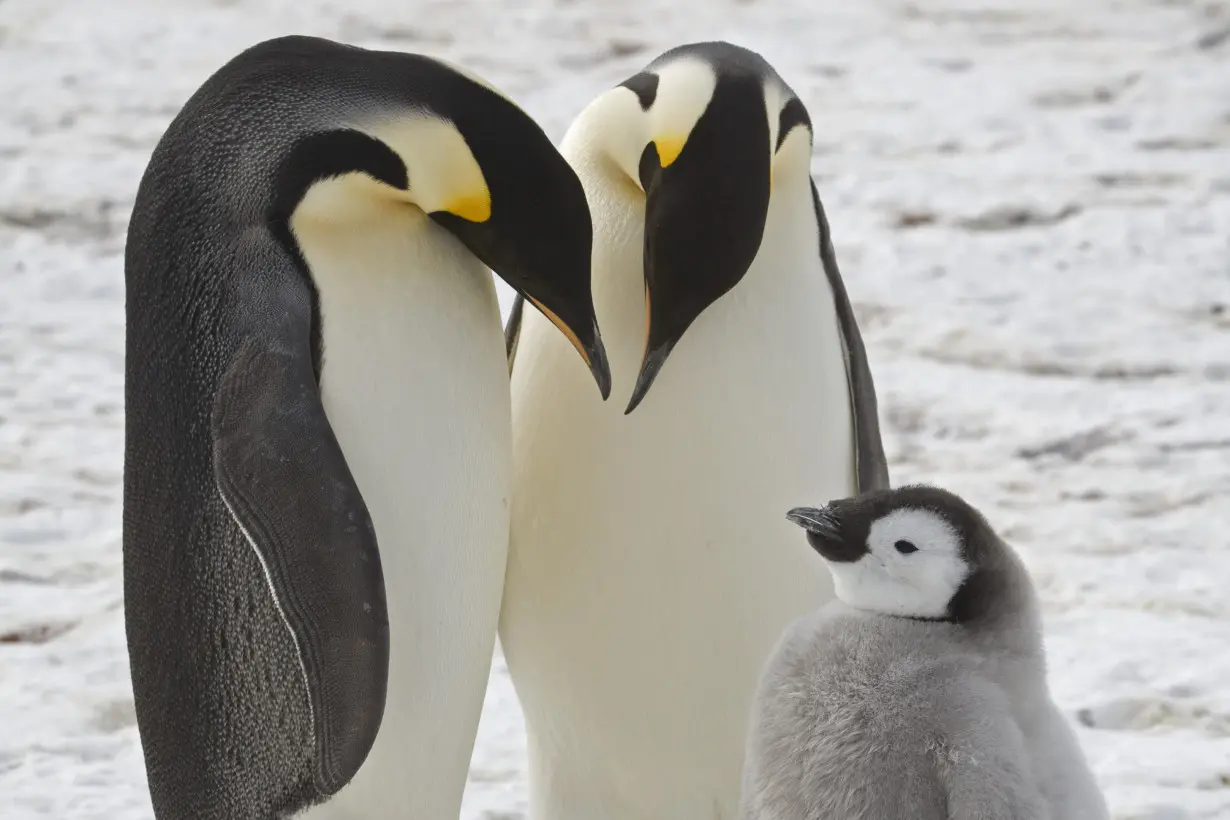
{"x":1031,"y":207}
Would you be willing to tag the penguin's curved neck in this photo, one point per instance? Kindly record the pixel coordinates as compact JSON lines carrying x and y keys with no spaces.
{"x":997,"y":605}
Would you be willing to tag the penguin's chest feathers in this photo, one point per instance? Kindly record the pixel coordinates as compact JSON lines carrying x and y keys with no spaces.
{"x":414,"y":380}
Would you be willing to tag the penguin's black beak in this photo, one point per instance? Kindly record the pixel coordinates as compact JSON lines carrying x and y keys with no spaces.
{"x":552,"y":273}
{"x":824,"y":533}
{"x":538,"y":236}
{"x":585,"y":337}
{"x":705,"y":211}
{"x":818,"y":521}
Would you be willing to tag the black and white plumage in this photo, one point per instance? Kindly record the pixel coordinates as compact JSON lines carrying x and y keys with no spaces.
{"x":920,"y":693}
{"x":644,"y":588}
{"x":317,"y":459}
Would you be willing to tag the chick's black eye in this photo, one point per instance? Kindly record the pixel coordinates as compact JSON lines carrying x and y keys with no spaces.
{"x":905,"y":547}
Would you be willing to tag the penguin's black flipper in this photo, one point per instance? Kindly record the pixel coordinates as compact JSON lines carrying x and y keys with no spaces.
{"x":283,"y":476}
{"x":870,"y":461}
{"x":512,"y":331}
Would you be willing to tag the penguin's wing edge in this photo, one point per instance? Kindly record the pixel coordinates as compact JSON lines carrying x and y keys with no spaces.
{"x":871,"y":465}
{"x":284,"y":479}
{"x":512,"y":331}
{"x":985,"y":768}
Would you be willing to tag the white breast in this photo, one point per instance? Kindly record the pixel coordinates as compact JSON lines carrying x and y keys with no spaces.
{"x":651,"y":567}
{"x":415,"y":386}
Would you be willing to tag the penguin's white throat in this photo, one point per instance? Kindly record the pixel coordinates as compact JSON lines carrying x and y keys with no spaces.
{"x":414,"y":382}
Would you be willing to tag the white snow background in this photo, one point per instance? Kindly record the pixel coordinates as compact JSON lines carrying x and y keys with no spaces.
{"x":1031,"y":207}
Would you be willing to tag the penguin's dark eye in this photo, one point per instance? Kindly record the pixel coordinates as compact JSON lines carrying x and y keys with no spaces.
{"x":905,"y":547}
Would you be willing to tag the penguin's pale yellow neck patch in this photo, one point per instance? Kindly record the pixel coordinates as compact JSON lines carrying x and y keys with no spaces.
{"x":793,"y":159}
{"x":444,"y":175}
{"x":775,"y":99}
{"x":617,"y":127}
{"x":793,"y":155}
{"x":350,"y":202}
{"x":685,"y":89}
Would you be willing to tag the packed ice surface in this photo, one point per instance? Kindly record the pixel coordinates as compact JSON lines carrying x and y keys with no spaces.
{"x":1031,"y":208}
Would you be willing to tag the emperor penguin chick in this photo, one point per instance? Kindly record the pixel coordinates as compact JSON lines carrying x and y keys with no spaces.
{"x":920,"y":692}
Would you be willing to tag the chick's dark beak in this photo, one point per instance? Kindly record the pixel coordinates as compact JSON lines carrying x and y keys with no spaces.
{"x":815,"y":520}
{"x":824,"y":533}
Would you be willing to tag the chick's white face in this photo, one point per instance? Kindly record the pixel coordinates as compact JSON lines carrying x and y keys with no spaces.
{"x":912,"y":567}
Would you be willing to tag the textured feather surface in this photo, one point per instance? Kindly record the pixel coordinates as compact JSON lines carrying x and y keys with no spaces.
{"x":1009,"y":182}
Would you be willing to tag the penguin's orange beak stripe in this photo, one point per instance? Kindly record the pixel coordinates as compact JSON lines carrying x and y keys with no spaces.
{"x":563,"y":328}
{"x":648,"y":321}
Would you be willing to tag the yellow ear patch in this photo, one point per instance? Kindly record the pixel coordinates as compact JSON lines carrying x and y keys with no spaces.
{"x":444,"y":175}
{"x":669,"y":149}
{"x":474,"y":207}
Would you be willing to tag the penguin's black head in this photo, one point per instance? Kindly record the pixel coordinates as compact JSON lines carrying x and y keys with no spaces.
{"x":432,"y":136}
{"x":915,"y":551}
{"x":538,"y":235}
{"x":701,"y":133}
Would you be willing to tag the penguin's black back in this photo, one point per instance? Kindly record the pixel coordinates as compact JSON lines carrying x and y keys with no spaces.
{"x":222,"y":708}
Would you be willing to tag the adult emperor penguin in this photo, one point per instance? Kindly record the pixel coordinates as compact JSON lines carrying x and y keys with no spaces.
{"x":921,"y":691}
{"x":650,"y":572}
{"x":315,"y":367}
